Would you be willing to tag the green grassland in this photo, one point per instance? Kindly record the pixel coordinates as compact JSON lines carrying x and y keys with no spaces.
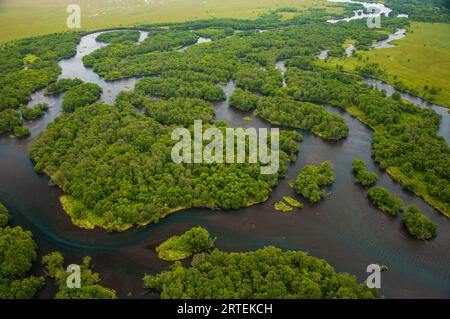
{"x":24,"y":18}
{"x":421,"y":58}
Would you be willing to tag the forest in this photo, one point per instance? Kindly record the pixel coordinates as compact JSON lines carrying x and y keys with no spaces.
{"x":123,"y":174}
{"x":362,"y":176}
{"x":81,"y":95}
{"x":268,"y":273}
{"x":89,"y":284}
{"x":119,"y":36}
{"x":417,"y":224}
{"x":31,"y":64}
{"x":194,"y":241}
{"x":113,"y":161}
{"x":385,"y":201}
{"x":311,"y":178}
{"x":17,"y":255}
{"x":405,"y":141}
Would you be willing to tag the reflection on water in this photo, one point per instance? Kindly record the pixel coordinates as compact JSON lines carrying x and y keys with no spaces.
{"x":344,"y":229}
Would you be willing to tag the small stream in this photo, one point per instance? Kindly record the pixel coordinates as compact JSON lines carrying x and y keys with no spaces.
{"x":345,"y":229}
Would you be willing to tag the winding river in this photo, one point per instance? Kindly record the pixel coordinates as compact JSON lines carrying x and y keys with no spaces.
{"x":344,"y":229}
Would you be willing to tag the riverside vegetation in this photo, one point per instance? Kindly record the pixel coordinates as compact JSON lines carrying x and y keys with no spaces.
{"x":113,"y":163}
{"x":248,"y":58}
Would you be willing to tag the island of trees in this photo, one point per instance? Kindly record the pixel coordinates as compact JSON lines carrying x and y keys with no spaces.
{"x":311,"y":178}
{"x":385,"y":201}
{"x":17,"y":255}
{"x":363,"y":177}
{"x":89,"y":283}
{"x":194,"y":241}
{"x":417,"y":224}
{"x":268,"y":273}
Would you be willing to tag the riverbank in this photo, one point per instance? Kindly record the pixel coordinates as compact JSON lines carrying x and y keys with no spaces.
{"x":419,"y":64}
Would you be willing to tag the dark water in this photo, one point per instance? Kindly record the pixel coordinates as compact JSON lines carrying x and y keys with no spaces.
{"x":344,"y":229}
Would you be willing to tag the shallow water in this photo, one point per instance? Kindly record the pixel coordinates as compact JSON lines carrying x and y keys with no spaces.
{"x":345,"y":229}
{"x":375,"y":10}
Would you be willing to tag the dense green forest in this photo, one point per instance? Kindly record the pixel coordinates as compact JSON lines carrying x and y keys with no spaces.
{"x":194,"y":241}
{"x":119,"y":36}
{"x":89,"y":285}
{"x":266,"y":273}
{"x":17,"y":254}
{"x":385,"y":201}
{"x":311,"y":178}
{"x":418,"y":225}
{"x":405,"y":141}
{"x":9,"y":119}
{"x":61,"y":85}
{"x":81,"y":95}
{"x":31,"y":64}
{"x":114,"y":164}
{"x":422,"y":10}
{"x":32,"y":113}
{"x":362,"y":176}
{"x":249,"y":57}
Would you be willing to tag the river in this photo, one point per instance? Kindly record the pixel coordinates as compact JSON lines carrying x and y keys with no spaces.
{"x":345,"y":229}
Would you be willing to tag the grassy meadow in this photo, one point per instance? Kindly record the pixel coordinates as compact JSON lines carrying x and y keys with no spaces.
{"x":421,"y":58}
{"x":24,"y":18}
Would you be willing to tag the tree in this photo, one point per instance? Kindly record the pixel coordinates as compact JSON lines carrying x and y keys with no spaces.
{"x":81,"y":95}
{"x":192,"y":242}
{"x":4,"y":215}
{"x":312,"y":178}
{"x":18,"y":252}
{"x":9,"y":119}
{"x":388,"y":203}
{"x":268,"y":273}
{"x":362,"y":176}
{"x":21,"y":131}
{"x":89,"y":286}
{"x":418,"y":225}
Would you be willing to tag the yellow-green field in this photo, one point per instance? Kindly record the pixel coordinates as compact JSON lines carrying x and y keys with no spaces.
{"x":422,"y":58}
{"x":23,"y":18}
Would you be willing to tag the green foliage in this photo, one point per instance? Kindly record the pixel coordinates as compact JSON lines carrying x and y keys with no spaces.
{"x":9,"y":119}
{"x":282,"y":207}
{"x":81,"y":95}
{"x":214,"y":33}
{"x":418,"y":225}
{"x":21,"y":131}
{"x":312,"y":178}
{"x":89,"y":285}
{"x":307,"y":116}
{"x":31,"y":64}
{"x":35,"y":112}
{"x":17,"y":254}
{"x":179,"y":111}
{"x":268,"y":273}
{"x":405,"y":134}
{"x":244,"y":100}
{"x":387,"y":202}
{"x":192,"y":242}
{"x":422,"y":10}
{"x":119,"y":36}
{"x":123,"y":174}
{"x":362,"y":176}
{"x":293,"y":202}
{"x":172,"y":87}
{"x":4,"y":215}
{"x":61,"y":86}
